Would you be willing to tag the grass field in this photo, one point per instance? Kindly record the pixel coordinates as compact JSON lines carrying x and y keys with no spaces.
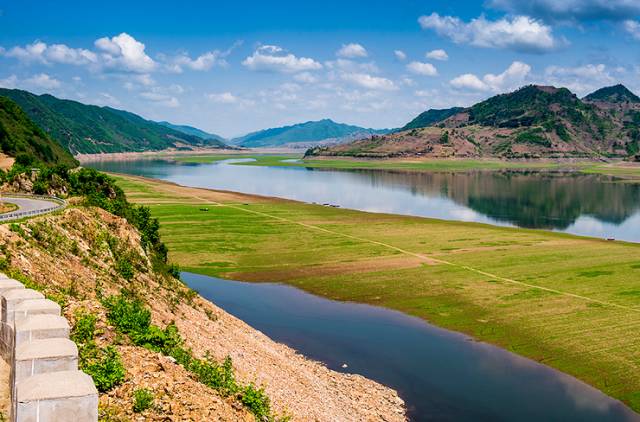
{"x":569,"y":302}
{"x":617,"y":169}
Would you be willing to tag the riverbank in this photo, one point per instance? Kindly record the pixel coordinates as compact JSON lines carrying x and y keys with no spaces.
{"x":566,"y":301}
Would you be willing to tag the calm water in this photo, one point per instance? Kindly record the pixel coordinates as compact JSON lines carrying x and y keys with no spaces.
{"x":590,"y":205}
{"x":441,"y":375}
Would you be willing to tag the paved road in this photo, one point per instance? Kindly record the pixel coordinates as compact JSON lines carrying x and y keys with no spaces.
{"x":26,"y":205}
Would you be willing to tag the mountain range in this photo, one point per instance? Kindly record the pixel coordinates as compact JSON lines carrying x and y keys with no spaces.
{"x":313,"y":132}
{"x":90,"y":129}
{"x":532,"y":122}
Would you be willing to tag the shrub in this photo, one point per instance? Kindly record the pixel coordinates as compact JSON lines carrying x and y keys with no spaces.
{"x":128,"y":315}
{"x":84,"y":329}
{"x":256,"y":401}
{"x":142,"y":400}
{"x":125,"y":269}
{"x":105,"y":367}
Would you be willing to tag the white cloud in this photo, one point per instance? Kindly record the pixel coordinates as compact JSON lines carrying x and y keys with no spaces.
{"x":275,"y":59}
{"x":365,"y":80}
{"x":519,"y":33}
{"x":514,"y":76}
{"x":580,"y":79}
{"x":161,"y":99}
{"x":201,"y":63}
{"x":438,"y":54}
{"x":424,"y":69}
{"x":352,"y":51}
{"x":42,"y":80}
{"x":306,"y":77}
{"x":9,"y":82}
{"x":223,"y":98}
{"x":570,"y":10}
{"x":106,"y":99}
{"x":400,"y":55}
{"x":57,"y":53}
{"x":125,"y":53}
{"x":633,"y":28}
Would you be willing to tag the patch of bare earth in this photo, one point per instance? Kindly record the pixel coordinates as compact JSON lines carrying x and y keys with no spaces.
{"x":71,"y":257}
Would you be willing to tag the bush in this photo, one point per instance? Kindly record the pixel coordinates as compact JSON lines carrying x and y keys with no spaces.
{"x":125,"y":269}
{"x":128,"y":315}
{"x":256,"y":401}
{"x":84,"y":330}
{"x":142,"y":400}
{"x":105,"y":367}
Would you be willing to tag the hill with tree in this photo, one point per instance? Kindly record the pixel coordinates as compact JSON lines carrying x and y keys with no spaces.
{"x":532,"y":122}
{"x":24,"y":140}
{"x":309,"y":132}
{"x":91,"y":129}
{"x":190,"y":130}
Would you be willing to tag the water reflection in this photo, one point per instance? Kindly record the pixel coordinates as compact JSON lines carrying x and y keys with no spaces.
{"x":583,"y":204}
{"x":440,"y":374}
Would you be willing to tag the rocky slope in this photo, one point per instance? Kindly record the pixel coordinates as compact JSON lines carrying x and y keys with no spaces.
{"x":75,"y":257}
{"x":532,"y":122}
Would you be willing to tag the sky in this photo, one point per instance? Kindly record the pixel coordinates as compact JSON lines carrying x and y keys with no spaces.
{"x":232,"y":67}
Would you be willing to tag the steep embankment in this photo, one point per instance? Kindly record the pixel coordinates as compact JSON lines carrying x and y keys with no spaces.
{"x":20,"y":136}
{"x":90,"y":129}
{"x":85,"y":257}
{"x":532,"y":122}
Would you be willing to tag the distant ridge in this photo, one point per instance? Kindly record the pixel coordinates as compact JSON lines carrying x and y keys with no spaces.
{"x":431,"y":116}
{"x":534,"y":121}
{"x":190,"y":130}
{"x":308,"y":132}
{"x":91,"y":129}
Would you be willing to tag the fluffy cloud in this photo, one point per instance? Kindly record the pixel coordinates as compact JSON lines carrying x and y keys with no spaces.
{"x":424,"y":69}
{"x":201,"y":63}
{"x":125,"y":53}
{"x":161,"y":99}
{"x":400,"y":55}
{"x":520,"y":33}
{"x":352,"y":51}
{"x":438,"y":54}
{"x":274,"y":59}
{"x":580,"y":79}
{"x":633,"y":28}
{"x":306,"y":77}
{"x":39,"y":81}
{"x":9,"y":82}
{"x":223,"y":98}
{"x":57,"y":53}
{"x":514,"y":76}
{"x":570,"y":10}
{"x":367,"y":81}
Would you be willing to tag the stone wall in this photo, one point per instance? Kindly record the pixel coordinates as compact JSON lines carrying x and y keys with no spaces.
{"x":45,"y":383}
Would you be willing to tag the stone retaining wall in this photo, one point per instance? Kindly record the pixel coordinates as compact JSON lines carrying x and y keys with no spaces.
{"x":45,"y":383}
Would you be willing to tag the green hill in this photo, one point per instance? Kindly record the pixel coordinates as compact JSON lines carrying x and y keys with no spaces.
{"x":91,"y":129}
{"x":613,"y":94}
{"x":190,"y":130}
{"x":431,"y":116}
{"x":19,"y":135}
{"x":314,"y":131}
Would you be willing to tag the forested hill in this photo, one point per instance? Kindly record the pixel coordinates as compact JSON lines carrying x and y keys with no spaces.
{"x":23,"y":139}
{"x":91,"y":129}
{"x":309,"y":132}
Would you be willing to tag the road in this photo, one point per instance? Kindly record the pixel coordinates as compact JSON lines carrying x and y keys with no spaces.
{"x":34,"y":205}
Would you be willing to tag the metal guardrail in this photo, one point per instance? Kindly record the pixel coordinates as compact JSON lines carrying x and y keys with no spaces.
{"x":16,"y":215}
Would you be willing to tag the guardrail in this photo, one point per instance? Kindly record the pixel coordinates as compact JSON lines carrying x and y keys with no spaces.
{"x":15,"y":215}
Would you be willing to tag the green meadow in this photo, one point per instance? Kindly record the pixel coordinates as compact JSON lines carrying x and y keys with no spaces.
{"x":569,"y":302}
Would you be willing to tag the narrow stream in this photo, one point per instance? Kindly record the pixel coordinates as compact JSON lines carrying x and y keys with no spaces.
{"x":441,"y":375}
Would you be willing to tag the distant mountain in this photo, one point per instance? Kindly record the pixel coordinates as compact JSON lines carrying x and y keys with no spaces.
{"x":309,"y":132}
{"x":431,"y":116}
{"x":532,"y":122}
{"x":613,"y":94}
{"x":190,"y":130}
{"x":91,"y":129}
{"x":19,"y":135}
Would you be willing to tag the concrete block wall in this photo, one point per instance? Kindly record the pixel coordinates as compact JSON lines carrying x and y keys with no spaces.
{"x":45,"y":383}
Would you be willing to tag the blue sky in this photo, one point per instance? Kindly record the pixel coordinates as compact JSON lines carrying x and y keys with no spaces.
{"x":235,"y":67}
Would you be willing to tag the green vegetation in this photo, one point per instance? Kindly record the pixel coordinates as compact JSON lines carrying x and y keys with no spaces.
{"x":613,"y":94}
{"x":22,"y":139}
{"x":302,"y":132}
{"x":567,"y":301}
{"x":142,"y":400}
{"x":430,"y":117}
{"x":129,"y":316}
{"x":89,"y":129}
{"x":104,"y":364}
{"x":533,"y":136}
